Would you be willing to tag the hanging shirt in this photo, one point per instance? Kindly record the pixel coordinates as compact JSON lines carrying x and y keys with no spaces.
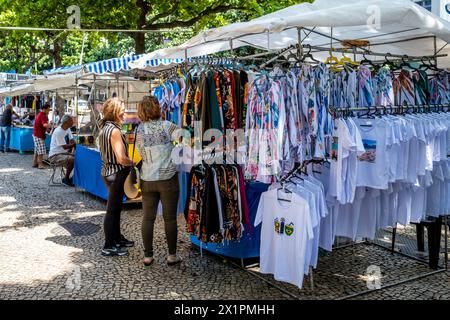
{"x":421,"y":86}
{"x":404,"y":88}
{"x":365,"y":87}
{"x":439,"y":89}
{"x":345,"y":142}
{"x":372,"y":167}
{"x":322,"y":76}
{"x":382,"y":87}
{"x":286,"y":229}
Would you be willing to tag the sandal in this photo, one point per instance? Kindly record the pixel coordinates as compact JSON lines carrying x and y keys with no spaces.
{"x":176,"y":261}
{"x":148,"y":261}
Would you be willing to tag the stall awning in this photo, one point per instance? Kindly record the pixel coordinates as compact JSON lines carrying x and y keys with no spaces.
{"x":17,"y":90}
{"x":389,"y":26}
{"x":111,"y":65}
{"x":64,"y":70}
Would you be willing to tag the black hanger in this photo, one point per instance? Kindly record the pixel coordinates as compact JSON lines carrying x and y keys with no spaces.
{"x":430,"y":66}
{"x":387,"y":62}
{"x":366,"y":115}
{"x":424,"y":65}
{"x":406,"y":64}
{"x":286,"y":191}
{"x":365,"y":61}
{"x":309,"y":55}
{"x":293,"y":56}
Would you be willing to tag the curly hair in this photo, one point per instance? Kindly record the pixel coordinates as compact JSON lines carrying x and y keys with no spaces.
{"x":149,"y":109}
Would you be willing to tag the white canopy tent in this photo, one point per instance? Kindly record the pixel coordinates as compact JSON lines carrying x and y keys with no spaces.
{"x":394,"y":26}
{"x":17,"y":90}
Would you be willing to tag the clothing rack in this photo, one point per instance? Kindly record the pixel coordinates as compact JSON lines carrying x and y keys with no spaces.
{"x":300,"y":48}
{"x":355,"y":50}
{"x":299,"y":167}
{"x":402,"y":109}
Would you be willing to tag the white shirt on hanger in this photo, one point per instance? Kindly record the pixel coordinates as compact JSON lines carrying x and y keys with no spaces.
{"x":286,"y":229}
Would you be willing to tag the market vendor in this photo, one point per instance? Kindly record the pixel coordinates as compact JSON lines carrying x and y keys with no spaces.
{"x":28,"y":119}
{"x":5,"y":127}
{"x":41,"y":125}
{"x":62,"y":146}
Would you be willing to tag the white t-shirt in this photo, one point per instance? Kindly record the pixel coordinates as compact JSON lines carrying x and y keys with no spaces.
{"x":285,"y":232}
{"x":352,"y":161}
{"x":58,"y":140}
{"x":348,"y":215}
{"x":369,"y":210}
{"x":372,"y":169}
{"x":346,"y":143}
{"x":304,"y":191}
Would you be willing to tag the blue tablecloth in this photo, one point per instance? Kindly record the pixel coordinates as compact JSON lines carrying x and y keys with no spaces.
{"x":22,"y":139}
{"x":248,"y":245}
{"x":87,"y":172}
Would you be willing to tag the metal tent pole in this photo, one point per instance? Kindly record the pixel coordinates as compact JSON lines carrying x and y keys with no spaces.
{"x":76,"y":103}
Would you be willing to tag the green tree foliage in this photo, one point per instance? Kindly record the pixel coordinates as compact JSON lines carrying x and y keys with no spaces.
{"x":40,"y":50}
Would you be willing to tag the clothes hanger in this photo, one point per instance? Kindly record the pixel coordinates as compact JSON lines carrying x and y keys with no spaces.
{"x":387,"y":62}
{"x":431,"y":66}
{"x":406,"y":64}
{"x":366,"y":61}
{"x":286,"y":191}
{"x":309,"y":55}
{"x":331,"y":59}
{"x":347,"y":60}
{"x":366,"y":115}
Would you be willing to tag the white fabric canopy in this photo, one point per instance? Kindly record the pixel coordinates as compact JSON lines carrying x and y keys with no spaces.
{"x":49,"y":83}
{"x":377,"y":21}
{"x":63,"y":81}
{"x":16,"y":90}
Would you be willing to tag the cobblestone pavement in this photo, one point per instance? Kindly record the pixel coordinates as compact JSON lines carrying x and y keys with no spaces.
{"x":43,"y":257}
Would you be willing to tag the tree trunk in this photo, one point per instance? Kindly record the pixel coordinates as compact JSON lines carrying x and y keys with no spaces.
{"x":57,"y":47}
{"x":139,"y":38}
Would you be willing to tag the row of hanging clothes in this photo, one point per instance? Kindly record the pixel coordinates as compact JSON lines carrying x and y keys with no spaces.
{"x":400,"y":84}
{"x":171,"y":93}
{"x":27,"y":101}
{"x":216,"y":96}
{"x":380,"y":165}
{"x":287,"y":108}
{"x":216,"y":208}
{"x":386,"y":169}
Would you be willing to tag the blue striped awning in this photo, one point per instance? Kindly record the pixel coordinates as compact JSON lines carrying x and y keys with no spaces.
{"x":112,"y":65}
{"x":119,"y":64}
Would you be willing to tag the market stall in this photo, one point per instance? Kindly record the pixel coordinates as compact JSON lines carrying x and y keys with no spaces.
{"x":339,"y":66}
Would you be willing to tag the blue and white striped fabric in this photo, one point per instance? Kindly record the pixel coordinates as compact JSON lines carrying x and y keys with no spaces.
{"x":119,"y":64}
{"x":112,"y":65}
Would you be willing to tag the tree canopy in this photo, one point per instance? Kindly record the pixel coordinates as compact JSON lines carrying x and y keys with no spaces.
{"x":39,"y":50}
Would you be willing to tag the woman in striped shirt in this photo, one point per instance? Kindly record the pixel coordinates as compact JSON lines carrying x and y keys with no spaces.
{"x":115,"y":169}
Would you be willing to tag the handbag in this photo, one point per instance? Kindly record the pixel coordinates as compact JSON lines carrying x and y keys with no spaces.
{"x":134,"y":173}
{"x":133,"y":181}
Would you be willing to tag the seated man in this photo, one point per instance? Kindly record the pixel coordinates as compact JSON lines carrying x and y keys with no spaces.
{"x":61,"y":150}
